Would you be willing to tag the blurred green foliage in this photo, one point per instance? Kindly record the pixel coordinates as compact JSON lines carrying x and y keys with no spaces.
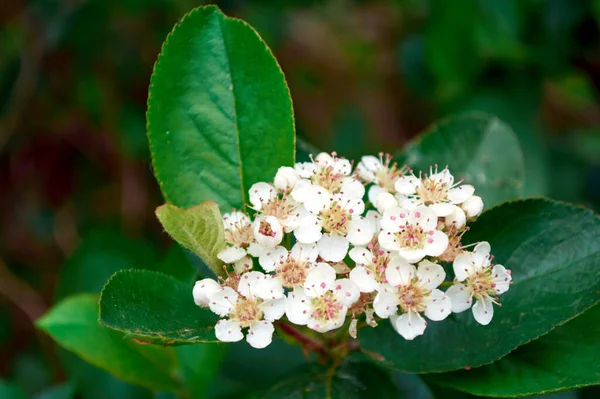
{"x":78,"y":193}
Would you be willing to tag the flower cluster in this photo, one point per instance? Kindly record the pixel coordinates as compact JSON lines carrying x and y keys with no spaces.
{"x":311,"y":250}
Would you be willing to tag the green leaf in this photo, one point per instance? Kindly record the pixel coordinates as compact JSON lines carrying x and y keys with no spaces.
{"x":199,"y":229}
{"x":62,"y":391}
{"x":470,"y":144}
{"x":178,"y":264}
{"x":350,"y":381}
{"x":199,"y":365}
{"x":553,"y":252}
{"x":564,"y":359}
{"x":73,"y":323}
{"x":155,"y":308}
{"x":219,"y":112}
{"x":11,"y":391}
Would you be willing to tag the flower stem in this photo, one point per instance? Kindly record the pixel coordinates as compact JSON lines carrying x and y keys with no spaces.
{"x":307,"y":342}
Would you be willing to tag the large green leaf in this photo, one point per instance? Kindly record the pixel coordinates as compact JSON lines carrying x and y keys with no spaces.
{"x":566,"y":358}
{"x":199,"y":229}
{"x":155,"y":308}
{"x":73,"y":323}
{"x":478,"y":148}
{"x":219,"y":112}
{"x":199,"y":365}
{"x":11,"y":391}
{"x":554,"y":254}
{"x":350,"y":381}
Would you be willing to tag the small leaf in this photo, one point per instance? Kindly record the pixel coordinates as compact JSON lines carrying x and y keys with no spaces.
{"x":199,"y":229}
{"x":553,"y":252}
{"x":566,"y":358}
{"x":73,"y":323}
{"x":478,"y":148}
{"x":155,"y":308}
{"x":350,"y":381}
{"x":219,"y":115}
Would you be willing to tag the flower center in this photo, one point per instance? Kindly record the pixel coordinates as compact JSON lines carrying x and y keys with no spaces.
{"x":326,"y":307}
{"x":281,"y":208}
{"x":411,"y":237}
{"x":386,"y":176}
{"x":411,"y":297}
{"x":247,"y":312}
{"x":328,"y":179}
{"x":432,"y":191}
{"x":454,"y":245}
{"x":482,"y":284}
{"x":292,"y":273}
{"x":378,"y":265}
{"x":265,"y":229}
{"x":335,"y":219}
{"x":240,"y":235}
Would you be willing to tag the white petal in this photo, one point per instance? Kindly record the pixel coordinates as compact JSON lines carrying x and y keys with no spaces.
{"x":302,"y":191}
{"x":442,"y":209}
{"x":461,"y":297}
{"x":342,"y":166}
{"x":228,"y":331}
{"x":407,"y":203}
{"x":324,"y":159}
{"x":285,"y":178}
{"x":457,"y":218}
{"x":431,"y":275}
{"x":461,"y":193}
{"x":483,"y":311}
{"x":473,"y":206}
{"x":267,"y":231}
{"x":409,"y":325}
{"x":305,"y":169}
{"x":352,"y":188}
{"x":481,"y":255}
{"x":261,"y":193}
{"x":387,"y":240}
{"x":384,"y":201}
{"x":308,"y":230}
{"x":243,"y":265}
{"x":354,"y":206}
{"x":260,"y":334}
{"x":269,"y":288}
{"x":436,"y":243}
{"x":317,"y":199}
{"x":406,"y":185}
{"x":364,"y":173}
{"x":370,"y":162}
{"x":361,"y":255}
{"x":203,"y":289}
{"x":502,"y":279}
{"x":234,"y":220}
{"x":374,"y":191}
{"x":386,"y":304}
{"x":463,"y":266}
{"x":333,"y":248}
{"x":363,"y":279}
{"x":412,"y":255}
{"x":329,"y":325}
{"x":298,"y":307}
{"x":231,"y":254}
{"x":346,"y":291}
{"x":393,"y":218}
{"x":249,"y":284}
{"x":444,"y":177}
{"x":304,"y":252}
{"x":439,"y":306}
{"x":360,"y":231}
{"x":320,"y":279}
{"x":273,"y":309}
{"x":400,"y":272}
{"x":424,"y":217}
{"x":221,"y":302}
{"x":256,"y":249}
{"x":271,"y":258}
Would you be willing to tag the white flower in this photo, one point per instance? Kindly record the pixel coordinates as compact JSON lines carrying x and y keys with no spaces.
{"x":457,"y":218}
{"x":323,"y":303}
{"x":291,"y":268}
{"x":203,"y":289}
{"x":267,"y":231}
{"x":340,"y":218}
{"x":478,"y":279}
{"x":436,"y":190}
{"x":414,"y":291}
{"x":380,"y":171}
{"x":258,"y":302}
{"x":285,"y":179}
{"x":269,"y":202}
{"x":370,"y":268}
{"x":331,"y":173}
{"x":473,"y":206}
{"x":238,"y":236}
{"x":412,"y":233}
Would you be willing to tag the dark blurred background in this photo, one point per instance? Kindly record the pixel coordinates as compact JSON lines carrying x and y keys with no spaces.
{"x":74,"y":163}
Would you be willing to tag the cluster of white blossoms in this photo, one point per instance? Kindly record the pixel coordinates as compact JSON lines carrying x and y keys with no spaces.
{"x":309,"y":250}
